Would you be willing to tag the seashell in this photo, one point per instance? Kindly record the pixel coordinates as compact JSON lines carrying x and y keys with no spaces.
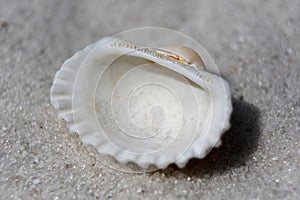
{"x":150,"y":106}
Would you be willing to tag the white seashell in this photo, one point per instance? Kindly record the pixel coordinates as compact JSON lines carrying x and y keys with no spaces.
{"x":150,"y":106}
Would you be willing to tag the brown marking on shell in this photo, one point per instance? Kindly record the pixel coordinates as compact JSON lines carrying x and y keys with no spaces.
{"x":187,"y":54}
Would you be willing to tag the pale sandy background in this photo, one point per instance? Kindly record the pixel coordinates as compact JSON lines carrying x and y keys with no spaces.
{"x":256,"y":44}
